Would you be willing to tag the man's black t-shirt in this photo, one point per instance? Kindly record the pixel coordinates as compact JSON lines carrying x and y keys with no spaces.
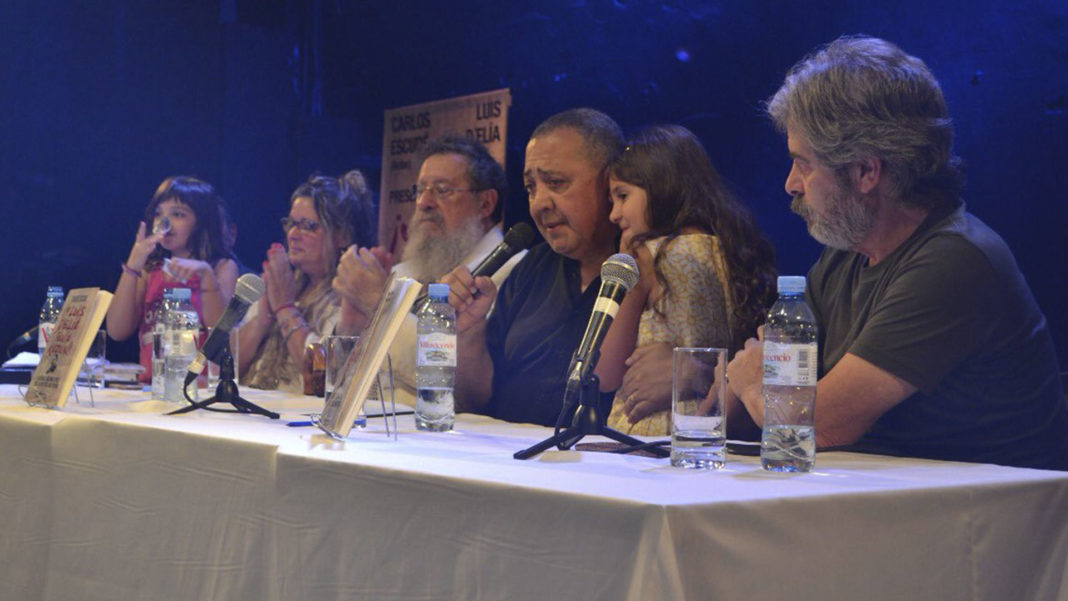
{"x":537,"y":323}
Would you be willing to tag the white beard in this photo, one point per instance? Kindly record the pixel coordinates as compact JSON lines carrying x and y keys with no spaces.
{"x":433,"y":255}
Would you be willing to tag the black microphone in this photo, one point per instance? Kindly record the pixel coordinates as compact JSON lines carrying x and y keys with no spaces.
{"x":619,"y":273}
{"x":249,"y":289}
{"x":22,"y":339}
{"x":26,"y":336}
{"x":518,"y":237}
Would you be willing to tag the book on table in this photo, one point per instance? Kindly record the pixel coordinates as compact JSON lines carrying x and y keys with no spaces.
{"x":362,"y":367}
{"x":78,"y":323}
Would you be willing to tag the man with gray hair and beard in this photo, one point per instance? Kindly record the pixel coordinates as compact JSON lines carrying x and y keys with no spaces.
{"x":931,"y":344}
{"x":459,"y":200}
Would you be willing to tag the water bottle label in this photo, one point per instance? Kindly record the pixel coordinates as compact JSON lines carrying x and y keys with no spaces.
{"x":436,"y":350}
{"x":790,"y":364}
{"x":44,"y":334}
{"x":183,"y":342}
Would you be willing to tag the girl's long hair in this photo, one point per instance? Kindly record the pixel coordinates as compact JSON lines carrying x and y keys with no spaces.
{"x":684,"y":191}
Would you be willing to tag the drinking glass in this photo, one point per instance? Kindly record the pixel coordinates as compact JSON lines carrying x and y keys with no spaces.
{"x":698,"y":408}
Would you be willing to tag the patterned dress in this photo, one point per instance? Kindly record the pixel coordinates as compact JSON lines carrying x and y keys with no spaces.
{"x":695,"y":313}
{"x":273,"y":368}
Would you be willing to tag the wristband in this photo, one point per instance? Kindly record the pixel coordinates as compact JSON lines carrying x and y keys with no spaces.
{"x":284,"y":307}
{"x":303,"y":324}
{"x":130,"y":270}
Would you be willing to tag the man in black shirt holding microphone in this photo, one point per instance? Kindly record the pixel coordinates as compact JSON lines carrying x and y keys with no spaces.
{"x":512,"y":363}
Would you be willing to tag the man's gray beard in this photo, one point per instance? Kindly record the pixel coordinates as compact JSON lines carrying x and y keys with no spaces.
{"x":433,"y":255}
{"x":847,"y":222}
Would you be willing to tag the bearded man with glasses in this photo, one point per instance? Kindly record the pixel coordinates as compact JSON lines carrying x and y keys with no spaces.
{"x":459,"y":200}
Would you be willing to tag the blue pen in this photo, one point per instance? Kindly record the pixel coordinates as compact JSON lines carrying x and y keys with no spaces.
{"x":358,"y":422}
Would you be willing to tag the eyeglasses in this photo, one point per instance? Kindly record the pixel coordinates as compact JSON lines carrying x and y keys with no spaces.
{"x":305,"y":225}
{"x":440,"y":191}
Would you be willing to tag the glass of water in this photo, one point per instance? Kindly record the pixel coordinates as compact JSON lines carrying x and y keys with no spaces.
{"x":96,"y":361}
{"x":338,"y":351}
{"x":698,"y":408}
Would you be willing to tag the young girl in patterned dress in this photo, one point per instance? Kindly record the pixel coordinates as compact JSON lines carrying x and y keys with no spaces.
{"x":707,"y":272}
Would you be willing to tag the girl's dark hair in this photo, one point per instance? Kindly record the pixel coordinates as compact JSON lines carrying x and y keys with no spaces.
{"x":208,"y":242}
{"x":684,"y":191}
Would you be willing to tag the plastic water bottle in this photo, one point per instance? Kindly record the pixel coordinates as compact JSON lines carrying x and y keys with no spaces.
{"x":435,"y":370}
{"x":788,"y":442}
{"x":180,"y":345}
{"x":49,"y":316}
{"x":159,"y":344}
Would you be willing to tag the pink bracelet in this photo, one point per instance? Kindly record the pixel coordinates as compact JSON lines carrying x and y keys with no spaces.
{"x":130,"y":270}
{"x":284,"y":307}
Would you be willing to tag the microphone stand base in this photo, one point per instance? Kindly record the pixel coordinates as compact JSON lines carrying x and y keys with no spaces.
{"x":226,"y":392}
{"x":586,"y":422}
{"x":240,"y":406}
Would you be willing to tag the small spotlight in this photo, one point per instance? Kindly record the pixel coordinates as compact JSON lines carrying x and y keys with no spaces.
{"x":683,"y":55}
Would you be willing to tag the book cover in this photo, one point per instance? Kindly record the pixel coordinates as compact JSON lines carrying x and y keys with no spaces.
{"x":78,"y":323}
{"x":364,"y":362}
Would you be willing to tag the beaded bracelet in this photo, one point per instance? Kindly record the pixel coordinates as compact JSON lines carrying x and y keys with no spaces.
{"x":130,"y":270}
{"x":302,"y":324}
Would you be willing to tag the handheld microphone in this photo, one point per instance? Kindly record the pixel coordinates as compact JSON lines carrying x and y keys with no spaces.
{"x":249,"y":289}
{"x":518,"y":237}
{"x":619,"y":273}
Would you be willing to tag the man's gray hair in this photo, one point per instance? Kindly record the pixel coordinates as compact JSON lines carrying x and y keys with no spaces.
{"x":602,"y":135}
{"x":862,"y":97}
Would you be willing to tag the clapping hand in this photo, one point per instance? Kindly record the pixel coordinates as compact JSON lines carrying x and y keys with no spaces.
{"x":361,"y":278}
{"x":278,"y":278}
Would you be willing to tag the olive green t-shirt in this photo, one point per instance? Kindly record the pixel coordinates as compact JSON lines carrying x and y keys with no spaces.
{"x":949,"y":312}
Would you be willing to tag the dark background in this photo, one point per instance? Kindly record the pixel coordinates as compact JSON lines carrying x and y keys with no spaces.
{"x":103,"y":101}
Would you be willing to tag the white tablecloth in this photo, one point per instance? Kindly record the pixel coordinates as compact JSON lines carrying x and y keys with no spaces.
{"x":120,"y":502}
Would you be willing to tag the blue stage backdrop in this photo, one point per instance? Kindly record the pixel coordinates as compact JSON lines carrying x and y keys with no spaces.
{"x":104,"y":99}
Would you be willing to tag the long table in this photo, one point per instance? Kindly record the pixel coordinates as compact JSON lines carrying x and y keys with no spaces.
{"x":118,"y":501}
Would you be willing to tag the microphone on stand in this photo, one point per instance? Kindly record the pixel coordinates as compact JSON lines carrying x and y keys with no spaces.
{"x":518,"y":237}
{"x":22,"y":339}
{"x":619,"y":273}
{"x":249,"y":289}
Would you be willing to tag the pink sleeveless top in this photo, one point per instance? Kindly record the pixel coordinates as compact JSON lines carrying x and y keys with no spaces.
{"x":152,"y":309}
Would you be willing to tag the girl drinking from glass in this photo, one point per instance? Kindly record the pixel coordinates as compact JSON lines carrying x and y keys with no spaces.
{"x":180,"y":243}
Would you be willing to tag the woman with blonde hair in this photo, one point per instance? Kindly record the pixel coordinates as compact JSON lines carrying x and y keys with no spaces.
{"x":326,"y":216}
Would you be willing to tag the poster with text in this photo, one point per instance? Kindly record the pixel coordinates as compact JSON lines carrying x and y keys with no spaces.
{"x":482,"y":117}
